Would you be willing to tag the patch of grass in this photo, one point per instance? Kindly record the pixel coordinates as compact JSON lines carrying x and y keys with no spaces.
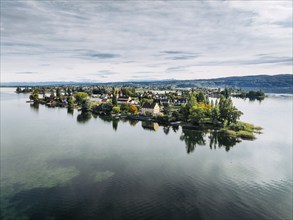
{"x":241,"y":130}
{"x":246,"y":135}
{"x":228,"y":132}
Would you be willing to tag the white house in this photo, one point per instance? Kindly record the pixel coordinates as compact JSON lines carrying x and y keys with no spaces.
{"x":150,"y":108}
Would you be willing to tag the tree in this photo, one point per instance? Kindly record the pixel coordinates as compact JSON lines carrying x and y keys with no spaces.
{"x":52,"y":95}
{"x":106,"y":107}
{"x":114,"y":100}
{"x":133,"y":109}
{"x":124,"y":107}
{"x":80,"y":97}
{"x":226,"y":93}
{"x":215,"y":113}
{"x":58,"y":92}
{"x":200,"y":97}
{"x":70,"y":102}
{"x":69,"y":91}
{"x":86,"y":106}
{"x":35,"y":95}
{"x":227,"y":111}
{"x":166,"y":109}
{"x":18,"y":90}
{"x":196,"y":114}
{"x":175,"y":116}
{"x":116,"y":109}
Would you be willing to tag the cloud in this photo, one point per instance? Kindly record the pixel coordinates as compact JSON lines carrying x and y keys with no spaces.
{"x":128,"y":37}
{"x":260,"y":60}
{"x":103,"y":74}
{"x":26,"y":72}
{"x":179,"y":55}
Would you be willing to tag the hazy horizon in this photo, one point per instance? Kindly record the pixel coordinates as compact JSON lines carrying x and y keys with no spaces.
{"x":141,"y":41}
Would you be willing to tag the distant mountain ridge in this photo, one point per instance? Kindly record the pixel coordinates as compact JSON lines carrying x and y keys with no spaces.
{"x":282,"y":83}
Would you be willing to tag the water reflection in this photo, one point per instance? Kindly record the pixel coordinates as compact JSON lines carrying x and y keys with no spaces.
{"x":70,"y":111}
{"x":105,"y":118}
{"x":219,"y":140}
{"x":84,"y":117}
{"x":260,"y":99}
{"x":166,"y":130}
{"x":35,"y":106}
{"x":149,"y":125}
{"x":192,"y":138}
{"x":133,"y":122}
{"x":175,"y":128}
{"x":115,"y":124}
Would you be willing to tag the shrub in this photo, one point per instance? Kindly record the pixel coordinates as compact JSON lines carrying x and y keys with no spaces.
{"x":116,"y":109}
{"x":133,"y":109}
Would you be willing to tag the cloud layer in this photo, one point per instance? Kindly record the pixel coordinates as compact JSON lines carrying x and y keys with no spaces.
{"x":132,"y":40}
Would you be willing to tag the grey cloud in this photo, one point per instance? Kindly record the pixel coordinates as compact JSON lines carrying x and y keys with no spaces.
{"x":179,"y":55}
{"x":91,"y":54}
{"x":258,"y":61}
{"x":26,"y":72}
{"x":159,"y":35}
{"x":103,"y":55}
{"x":103,"y":73}
{"x":176,"y":69}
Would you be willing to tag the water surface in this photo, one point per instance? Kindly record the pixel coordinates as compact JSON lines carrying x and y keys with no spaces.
{"x":58,"y":165}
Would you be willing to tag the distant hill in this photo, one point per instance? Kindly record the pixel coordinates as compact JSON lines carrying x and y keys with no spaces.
{"x":275,"y":84}
{"x":282,"y":83}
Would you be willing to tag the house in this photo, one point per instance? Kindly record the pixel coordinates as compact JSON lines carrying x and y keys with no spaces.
{"x":150,"y":108}
{"x":180,"y":101}
{"x":165,"y":101}
{"x":125,"y":100}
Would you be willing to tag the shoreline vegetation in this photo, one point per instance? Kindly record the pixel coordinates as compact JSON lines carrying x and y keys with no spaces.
{"x":192,"y":109}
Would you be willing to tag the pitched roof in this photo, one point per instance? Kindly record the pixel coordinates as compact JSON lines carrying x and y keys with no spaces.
{"x":149,"y":105}
{"x":123,"y":98}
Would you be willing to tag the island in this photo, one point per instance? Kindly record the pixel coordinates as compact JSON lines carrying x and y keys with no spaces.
{"x":194,"y":108}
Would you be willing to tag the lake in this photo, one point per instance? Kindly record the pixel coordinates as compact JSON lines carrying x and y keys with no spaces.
{"x":58,"y":165}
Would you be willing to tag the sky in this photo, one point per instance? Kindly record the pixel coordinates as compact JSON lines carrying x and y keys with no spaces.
{"x":106,"y":41}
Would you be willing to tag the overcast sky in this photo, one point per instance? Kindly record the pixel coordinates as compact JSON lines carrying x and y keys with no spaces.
{"x":105,"y":41}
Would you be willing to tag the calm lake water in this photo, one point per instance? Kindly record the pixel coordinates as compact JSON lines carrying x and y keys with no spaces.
{"x":56,"y":165}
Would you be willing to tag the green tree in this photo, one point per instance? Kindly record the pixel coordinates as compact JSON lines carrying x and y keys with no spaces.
{"x":80,"y":97}
{"x":86,"y":106}
{"x":35,"y":95}
{"x":166,"y":109}
{"x":226,"y":93}
{"x":116,"y":109}
{"x":227,"y":111}
{"x":52,"y":94}
{"x":58,"y":92}
{"x":114,"y":99}
{"x":200,"y":97}
{"x":215,"y":113}
{"x":18,"y":90}
{"x":70,"y":102}
{"x":69,"y":92}
{"x":196,"y":114}
{"x":106,"y":107}
{"x":124,"y":107}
